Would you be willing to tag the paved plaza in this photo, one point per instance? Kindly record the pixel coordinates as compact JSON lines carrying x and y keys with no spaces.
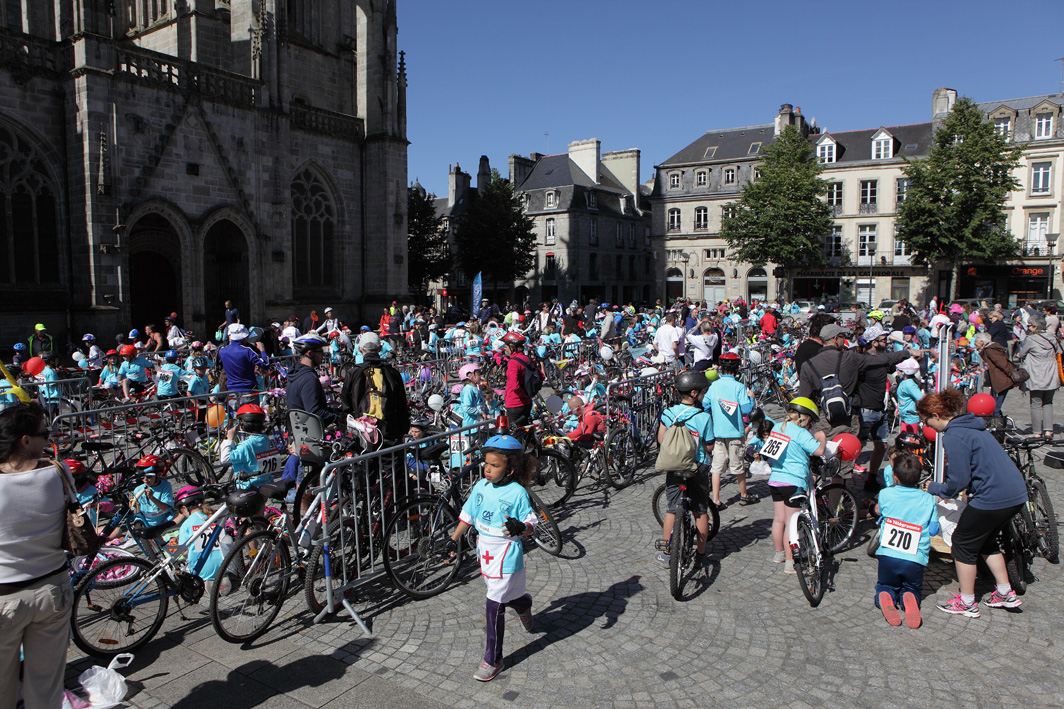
{"x":607,"y":633}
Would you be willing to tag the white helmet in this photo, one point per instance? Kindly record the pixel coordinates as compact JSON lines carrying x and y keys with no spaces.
{"x":606,"y":353}
{"x":647,"y":371}
{"x":435,"y":402}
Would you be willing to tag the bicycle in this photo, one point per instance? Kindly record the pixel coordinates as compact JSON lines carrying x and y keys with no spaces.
{"x":681,"y":545}
{"x":659,"y":502}
{"x":1039,"y":505}
{"x":812,"y":558}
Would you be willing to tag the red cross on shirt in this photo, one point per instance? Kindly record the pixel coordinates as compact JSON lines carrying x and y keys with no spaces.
{"x":488,"y":558}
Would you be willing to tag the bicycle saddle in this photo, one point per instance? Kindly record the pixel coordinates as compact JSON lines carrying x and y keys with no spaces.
{"x":623,"y":397}
{"x":97,"y":445}
{"x":599,"y":436}
{"x":151,"y":532}
{"x":433,"y":452}
{"x":1032,"y":441}
{"x":277,"y":490}
{"x":799,"y":497}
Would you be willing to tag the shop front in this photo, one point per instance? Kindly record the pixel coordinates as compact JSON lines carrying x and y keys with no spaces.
{"x":870,"y":286}
{"x":1009,"y":284}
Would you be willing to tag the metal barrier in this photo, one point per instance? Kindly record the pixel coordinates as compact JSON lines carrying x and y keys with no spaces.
{"x":74,"y":391}
{"x":380,"y":483}
{"x":125,"y":432}
{"x":650,"y":396}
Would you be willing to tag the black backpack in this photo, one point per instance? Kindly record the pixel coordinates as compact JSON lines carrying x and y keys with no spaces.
{"x":531,"y":379}
{"x":835,"y":403}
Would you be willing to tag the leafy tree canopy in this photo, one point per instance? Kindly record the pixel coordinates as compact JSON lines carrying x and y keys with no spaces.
{"x":428,"y":253}
{"x":780,"y":216}
{"x":495,"y":237}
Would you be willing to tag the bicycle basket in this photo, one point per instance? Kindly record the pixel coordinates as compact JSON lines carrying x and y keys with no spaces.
{"x":246,"y":503}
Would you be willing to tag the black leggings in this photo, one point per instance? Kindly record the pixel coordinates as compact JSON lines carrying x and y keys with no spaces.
{"x":977,"y":532}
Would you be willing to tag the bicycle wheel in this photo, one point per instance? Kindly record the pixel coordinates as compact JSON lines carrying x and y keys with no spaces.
{"x":1045,"y":521}
{"x":547,"y":535}
{"x":314,"y":584}
{"x":809,"y":563}
{"x":660,"y":504}
{"x":677,"y":550}
{"x":250,"y":587}
{"x":620,"y":458}
{"x":836,"y":507}
{"x":414,"y":554}
{"x":190,"y":467}
{"x":115,"y":609}
{"x":1014,"y":546}
{"x":873,"y":544}
{"x":555,"y":481}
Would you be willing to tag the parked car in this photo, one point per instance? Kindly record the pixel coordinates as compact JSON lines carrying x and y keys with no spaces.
{"x":805,"y":305}
{"x":886,"y":305}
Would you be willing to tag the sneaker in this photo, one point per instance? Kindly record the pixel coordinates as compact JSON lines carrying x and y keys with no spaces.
{"x":788,"y":567}
{"x":890,"y":611}
{"x":779,"y":557}
{"x":957,"y":606}
{"x":997,"y":600}
{"x":858,"y":468}
{"x":487,"y":672}
{"x":701,"y":560}
{"x":912,"y":609}
{"x":129,"y":543}
{"x":526,"y":617}
{"x":663,"y":559}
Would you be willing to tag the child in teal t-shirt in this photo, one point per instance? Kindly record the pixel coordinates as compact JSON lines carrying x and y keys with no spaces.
{"x":167,"y":377}
{"x":908,"y":520}
{"x":196,"y":513}
{"x":909,"y":393}
{"x":255,"y":459}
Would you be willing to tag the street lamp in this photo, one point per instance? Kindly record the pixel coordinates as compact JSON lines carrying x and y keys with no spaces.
{"x":685,"y":257}
{"x":1051,"y":239}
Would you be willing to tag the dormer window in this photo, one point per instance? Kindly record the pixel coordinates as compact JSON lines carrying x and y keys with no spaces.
{"x":624,"y":204}
{"x":701,"y":178}
{"x":882,"y":148}
{"x":552,"y":200}
{"x":591,"y":202}
{"x":825,"y":151}
{"x":1003,"y":127}
{"x":674,"y":180}
{"x":1043,"y":126}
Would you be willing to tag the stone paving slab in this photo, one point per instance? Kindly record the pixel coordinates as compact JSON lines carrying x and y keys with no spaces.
{"x":608,"y":634}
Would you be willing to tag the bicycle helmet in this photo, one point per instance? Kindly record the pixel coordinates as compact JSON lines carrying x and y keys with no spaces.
{"x":308,"y":343}
{"x":728,"y":361}
{"x":200,"y":363}
{"x":151,"y":465}
{"x":982,"y":405}
{"x":171,"y":354}
{"x":251,"y":413}
{"x":20,"y":346}
{"x":514,"y":339}
{"x":127,"y":351}
{"x":133,"y":333}
{"x":189,"y":496}
{"x":690,"y":380}
{"x":909,"y":442}
{"x":77,"y":469}
{"x":804,"y":405}
{"x":197,"y":345}
{"x":466,"y":370}
{"x":111,"y":353}
{"x":606,"y":353}
{"x":875,"y":315}
{"x":502,"y":442}
{"x":849,"y":446}
{"x":88,"y":337}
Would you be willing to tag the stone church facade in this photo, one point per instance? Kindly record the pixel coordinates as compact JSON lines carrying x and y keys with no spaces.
{"x":165,"y":155}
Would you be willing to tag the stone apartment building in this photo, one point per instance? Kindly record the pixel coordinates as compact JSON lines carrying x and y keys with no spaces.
{"x":167,"y":155}
{"x":593,"y":225}
{"x":863,"y":169}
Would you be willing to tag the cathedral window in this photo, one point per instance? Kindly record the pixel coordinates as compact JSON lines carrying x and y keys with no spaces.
{"x":29,"y":226}
{"x":313,"y":227}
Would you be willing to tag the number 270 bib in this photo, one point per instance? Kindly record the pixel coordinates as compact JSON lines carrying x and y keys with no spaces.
{"x":902,"y":537}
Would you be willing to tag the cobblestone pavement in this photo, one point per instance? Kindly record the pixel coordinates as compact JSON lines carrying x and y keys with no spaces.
{"x":607,"y":633}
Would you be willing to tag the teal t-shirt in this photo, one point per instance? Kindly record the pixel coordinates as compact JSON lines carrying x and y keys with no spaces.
{"x":151,"y":514}
{"x":699,"y":422}
{"x":189,"y":527}
{"x":787,"y":449}
{"x":909,"y":392}
{"x":257,"y":456}
{"x":909,"y":518}
{"x":487,"y":508}
{"x":168,"y":377}
{"x":726,"y":401}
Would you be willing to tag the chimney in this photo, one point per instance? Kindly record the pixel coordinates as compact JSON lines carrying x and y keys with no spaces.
{"x":457,"y":185}
{"x":784,"y":118}
{"x":520,"y":167}
{"x":624,"y":165}
{"x":586,"y":155}
{"x":483,"y":173}
{"x":942,"y":102}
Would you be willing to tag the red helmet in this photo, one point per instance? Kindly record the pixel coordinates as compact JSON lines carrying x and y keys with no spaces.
{"x":112,"y":353}
{"x":250,"y":409}
{"x":127,"y":351}
{"x":77,"y":468}
{"x":152,"y":464}
{"x":849,"y":446}
{"x":729,"y":357}
{"x":982,"y":405}
{"x":514,"y":338}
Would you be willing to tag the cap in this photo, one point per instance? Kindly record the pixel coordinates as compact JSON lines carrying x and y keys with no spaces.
{"x":237,"y":331}
{"x":327,"y":310}
{"x":909,"y":366}
{"x":830,"y":332}
{"x":39,"y":326}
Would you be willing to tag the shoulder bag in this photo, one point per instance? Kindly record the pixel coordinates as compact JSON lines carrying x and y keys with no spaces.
{"x":79,"y":537}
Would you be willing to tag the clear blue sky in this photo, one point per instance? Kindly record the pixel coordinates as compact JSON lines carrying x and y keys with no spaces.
{"x":490,"y":77}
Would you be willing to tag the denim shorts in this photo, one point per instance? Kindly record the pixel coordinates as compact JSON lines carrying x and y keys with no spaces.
{"x":873,"y":425}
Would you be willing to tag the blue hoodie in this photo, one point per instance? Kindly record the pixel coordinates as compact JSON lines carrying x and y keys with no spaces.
{"x":975,"y":460}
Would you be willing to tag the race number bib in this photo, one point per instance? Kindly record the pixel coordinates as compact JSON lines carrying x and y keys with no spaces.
{"x":459,"y":444}
{"x":902,"y":537}
{"x":269,"y":462}
{"x":729,"y":407}
{"x":775,"y":445}
{"x":166,"y":376}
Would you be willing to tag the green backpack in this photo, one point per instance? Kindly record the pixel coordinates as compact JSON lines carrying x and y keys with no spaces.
{"x":679,"y":450}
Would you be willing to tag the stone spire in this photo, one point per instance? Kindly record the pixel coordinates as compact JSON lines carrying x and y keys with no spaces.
{"x":401,"y":100}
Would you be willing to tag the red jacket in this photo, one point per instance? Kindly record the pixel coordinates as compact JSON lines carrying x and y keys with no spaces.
{"x":769,"y":323}
{"x":516,"y":396}
{"x":590,"y":424}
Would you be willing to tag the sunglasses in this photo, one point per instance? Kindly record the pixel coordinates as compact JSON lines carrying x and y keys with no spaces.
{"x":45,"y":434}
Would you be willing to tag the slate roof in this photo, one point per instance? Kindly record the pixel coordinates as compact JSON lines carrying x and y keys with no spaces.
{"x":1022,"y":104}
{"x":731,"y":144}
{"x":560,"y":171}
{"x":856,"y":145}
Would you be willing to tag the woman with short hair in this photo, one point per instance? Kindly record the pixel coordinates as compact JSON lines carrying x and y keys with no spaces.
{"x":35,"y":591}
{"x":1039,"y":356}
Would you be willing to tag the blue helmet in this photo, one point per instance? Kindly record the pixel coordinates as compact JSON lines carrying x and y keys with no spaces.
{"x":171,"y":354}
{"x":503,"y":442}
{"x":199,"y":363}
{"x":134,"y":332}
{"x":20,"y":346}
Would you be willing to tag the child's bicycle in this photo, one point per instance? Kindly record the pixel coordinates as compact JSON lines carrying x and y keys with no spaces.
{"x":681,"y":544}
{"x":812,"y":556}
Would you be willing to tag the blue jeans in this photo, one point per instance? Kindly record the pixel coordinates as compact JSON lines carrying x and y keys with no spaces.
{"x":999,"y":399}
{"x":898,"y":576}
{"x":873,"y":425}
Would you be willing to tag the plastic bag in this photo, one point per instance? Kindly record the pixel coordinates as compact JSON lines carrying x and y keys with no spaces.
{"x":949,"y":515}
{"x":104,"y":686}
{"x":760,"y":467}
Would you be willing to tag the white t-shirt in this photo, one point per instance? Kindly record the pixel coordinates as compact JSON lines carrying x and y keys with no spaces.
{"x":291,"y":333}
{"x":703,"y":345}
{"x":664,"y":339}
{"x":937,"y":322}
{"x":32,"y":522}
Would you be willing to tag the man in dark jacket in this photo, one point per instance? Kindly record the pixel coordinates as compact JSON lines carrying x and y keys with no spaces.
{"x":376,"y":389}
{"x":850,"y":365}
{"x":41,"y":341}
{"x":813,"y":344}
{"x":872,"y":393}
{"x":304,"y":391}
{"x":997,"y":330}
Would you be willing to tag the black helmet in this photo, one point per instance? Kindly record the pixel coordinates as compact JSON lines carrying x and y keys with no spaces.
{"x":908,"y":441}
{"x":690,"y":380}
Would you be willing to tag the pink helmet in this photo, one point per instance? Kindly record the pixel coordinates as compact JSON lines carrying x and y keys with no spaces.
{"x":956,"y":308}
{"x":466,"y":370}
{"x":326,"y":380}
{"x":974,"y":319}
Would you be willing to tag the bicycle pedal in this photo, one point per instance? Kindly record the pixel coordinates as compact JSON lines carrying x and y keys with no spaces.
{"x":662,"y":545}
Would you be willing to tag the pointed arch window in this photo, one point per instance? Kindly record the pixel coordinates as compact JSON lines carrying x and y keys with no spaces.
{"x":29,"y":226}
{"x":313,"y":231}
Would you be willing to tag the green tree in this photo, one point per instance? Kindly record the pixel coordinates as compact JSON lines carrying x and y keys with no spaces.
{"x":953,"y":207}
{"x":780,"y":216}
{"x":494,"y":237}
{"x":428,"y":253}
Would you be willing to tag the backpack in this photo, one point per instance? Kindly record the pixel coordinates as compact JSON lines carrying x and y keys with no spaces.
{"x":377,"y":390}
{"x":531,"y":379}
{"x":835,"y":403}
{"x":679,"y":449}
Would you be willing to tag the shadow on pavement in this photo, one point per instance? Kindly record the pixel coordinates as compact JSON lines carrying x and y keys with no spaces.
{"x":569,"y":615}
